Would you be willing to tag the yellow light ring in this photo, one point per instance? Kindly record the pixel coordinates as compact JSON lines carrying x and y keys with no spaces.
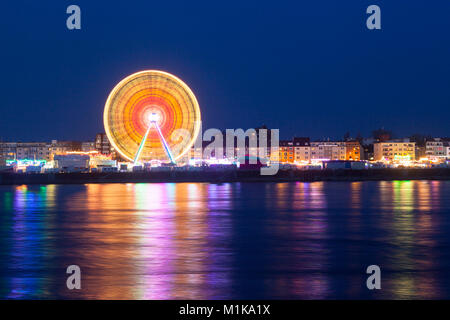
{"x":134,"y":97}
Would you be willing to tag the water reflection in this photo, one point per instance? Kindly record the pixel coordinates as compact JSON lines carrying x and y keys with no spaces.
{"x":311,"y":228}
{"x":30,"y":222}
{"x":154,"y":236}
{"x":409,"y":248}
{"x":219,"y":241}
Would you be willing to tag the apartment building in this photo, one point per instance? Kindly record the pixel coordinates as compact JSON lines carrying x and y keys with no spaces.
{"x":328,"y":150}
{"x":394,"y":150}
{"x":437,"y":147}
{"x":286,"y":151}
{"x":352,"y":150}
{"x":302,"y":149}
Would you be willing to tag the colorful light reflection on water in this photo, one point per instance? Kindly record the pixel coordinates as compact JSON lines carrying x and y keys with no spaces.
{"x":226,"y":241}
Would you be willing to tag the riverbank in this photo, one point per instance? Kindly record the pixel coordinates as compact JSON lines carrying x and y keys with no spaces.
{"x":214,"y":176}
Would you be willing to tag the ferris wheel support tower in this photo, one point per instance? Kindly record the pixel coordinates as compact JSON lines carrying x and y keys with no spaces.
{"x":153,"y":119}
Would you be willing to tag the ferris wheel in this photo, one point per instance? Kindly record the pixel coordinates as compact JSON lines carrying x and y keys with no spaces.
{"x":152,"y":115}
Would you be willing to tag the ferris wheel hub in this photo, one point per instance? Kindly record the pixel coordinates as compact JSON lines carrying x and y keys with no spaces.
{"x":153,"y":117}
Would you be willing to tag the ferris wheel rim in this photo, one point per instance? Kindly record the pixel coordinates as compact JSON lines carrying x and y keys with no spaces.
{"x":177,"y":80}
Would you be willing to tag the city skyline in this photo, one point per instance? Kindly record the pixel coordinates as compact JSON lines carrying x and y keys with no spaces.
{"x":279,"y":73}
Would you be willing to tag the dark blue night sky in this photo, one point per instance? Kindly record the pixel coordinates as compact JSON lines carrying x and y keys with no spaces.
{"x":310,"y":68}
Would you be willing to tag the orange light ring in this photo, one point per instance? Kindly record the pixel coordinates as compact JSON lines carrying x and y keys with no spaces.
{"x":125,"y":112}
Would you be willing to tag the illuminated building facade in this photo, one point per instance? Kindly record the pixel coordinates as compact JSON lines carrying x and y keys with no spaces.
{"x":2,"y":157}
{"x":88,"y":146}
{"x":286,"y":151}
{"x":352,"y":150}
{"x":8,"y":150}
{"x":437,"y":147}
{"x":328,"y":150}
{"x":33,"y":151}
{"x":61,"y":147}
{"x":102,"y":144}
{"x":394,"y":151}
{"x":302,"y":149}
{"x":11,"y":151}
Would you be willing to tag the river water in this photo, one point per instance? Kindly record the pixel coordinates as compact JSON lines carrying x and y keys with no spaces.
{"x":226,"y":241}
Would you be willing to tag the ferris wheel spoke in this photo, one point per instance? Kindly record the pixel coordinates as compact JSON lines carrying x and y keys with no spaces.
{"x":166,"y":146}
{"x":141,"y":146}
{"x":163,"y":141}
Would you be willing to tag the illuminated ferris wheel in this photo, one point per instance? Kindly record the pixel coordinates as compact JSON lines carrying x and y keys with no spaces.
{"x":152,"y":115}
